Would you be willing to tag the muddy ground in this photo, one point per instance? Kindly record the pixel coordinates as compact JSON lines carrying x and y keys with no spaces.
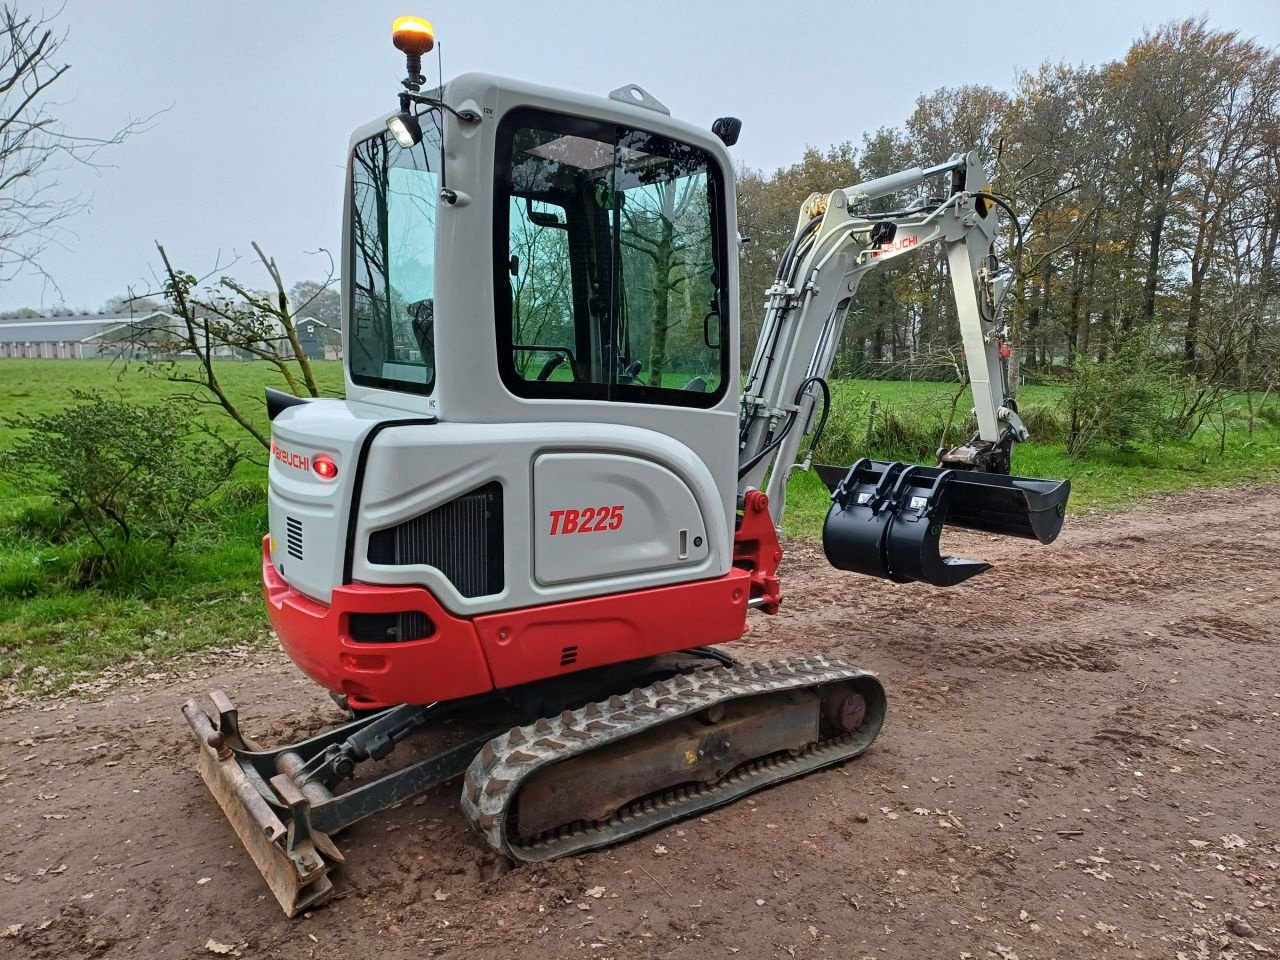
{"x":1080,"y":761}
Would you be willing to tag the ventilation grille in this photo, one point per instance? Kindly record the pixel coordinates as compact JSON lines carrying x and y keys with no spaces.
{"x":293,"y":536}
{"x":462,"y":539}
{"x":390,"y":627}
{"x":568,"y":656}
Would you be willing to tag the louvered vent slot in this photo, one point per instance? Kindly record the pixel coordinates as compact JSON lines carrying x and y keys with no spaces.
{"x":568,"y":656}
{"x":293,"y":537}
{"x":462,"y":539}
{"x":390,"y":627}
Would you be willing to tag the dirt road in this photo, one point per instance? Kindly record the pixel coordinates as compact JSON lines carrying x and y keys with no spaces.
{"x":1079,"y":761}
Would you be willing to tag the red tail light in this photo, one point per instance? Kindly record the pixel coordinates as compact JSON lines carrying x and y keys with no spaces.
{"x":324,"y":467}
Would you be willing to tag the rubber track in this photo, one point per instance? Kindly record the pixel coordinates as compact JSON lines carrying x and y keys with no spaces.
{"x":495,"y":776}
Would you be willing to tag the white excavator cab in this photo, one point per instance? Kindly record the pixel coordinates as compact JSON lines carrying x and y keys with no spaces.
{"x":540,"y":345}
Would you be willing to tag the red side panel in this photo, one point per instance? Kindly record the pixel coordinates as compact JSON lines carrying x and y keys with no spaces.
{"x":466,"y":657}
{"x":538,"y":642}
{"x":444,"y":666}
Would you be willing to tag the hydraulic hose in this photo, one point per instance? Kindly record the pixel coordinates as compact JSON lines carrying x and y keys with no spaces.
{"x":826,"y":412}
{"x":1003,"y":204}
{"x":745,"y":468}
{"x":784,"y":265}
{"x":785,"y":269}
{"x":1017,"y":252}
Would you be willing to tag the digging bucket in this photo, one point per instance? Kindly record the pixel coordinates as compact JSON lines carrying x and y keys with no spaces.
{"x":886,"y":519}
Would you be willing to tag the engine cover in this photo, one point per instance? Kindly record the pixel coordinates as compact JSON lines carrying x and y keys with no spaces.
{"x":602,"y":515}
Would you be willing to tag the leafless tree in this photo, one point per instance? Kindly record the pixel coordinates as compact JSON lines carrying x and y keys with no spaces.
{"x":35,"y":148}
{"x":209,"y":318}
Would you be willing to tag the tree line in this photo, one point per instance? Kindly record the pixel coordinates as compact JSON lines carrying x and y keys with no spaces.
{"x":1147,"y":190}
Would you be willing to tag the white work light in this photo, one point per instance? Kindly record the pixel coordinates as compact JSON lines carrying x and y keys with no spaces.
{"x":404,"y":127}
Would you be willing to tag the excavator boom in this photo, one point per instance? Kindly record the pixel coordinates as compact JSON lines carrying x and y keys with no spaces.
{"x":886,"y":519}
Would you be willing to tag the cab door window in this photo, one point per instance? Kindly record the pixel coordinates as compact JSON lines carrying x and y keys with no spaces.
{"x":669,"y":303}
{"x":608,"y":249}
{"x":544,"y":343}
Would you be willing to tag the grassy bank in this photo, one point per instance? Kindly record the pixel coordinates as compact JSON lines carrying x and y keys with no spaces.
{"x":55,"y":632}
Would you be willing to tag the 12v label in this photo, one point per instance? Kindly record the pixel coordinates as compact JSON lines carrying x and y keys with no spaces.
{"x":586,"y":520}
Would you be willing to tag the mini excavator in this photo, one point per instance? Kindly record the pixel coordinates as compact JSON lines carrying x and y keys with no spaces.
{"x":549,"y":495}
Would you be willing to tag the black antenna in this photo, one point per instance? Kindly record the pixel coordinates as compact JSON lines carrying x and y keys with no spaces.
{"x":447,"y":195}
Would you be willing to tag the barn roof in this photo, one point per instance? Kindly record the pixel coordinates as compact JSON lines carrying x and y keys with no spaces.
{"x":67,"y":329}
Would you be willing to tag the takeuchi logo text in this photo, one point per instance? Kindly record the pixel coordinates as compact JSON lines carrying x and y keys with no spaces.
{"x":289,"y":458}
{"x":897,"y":245}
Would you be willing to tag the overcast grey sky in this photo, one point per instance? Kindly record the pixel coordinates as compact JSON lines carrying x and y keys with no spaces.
{"x":264,"y":93}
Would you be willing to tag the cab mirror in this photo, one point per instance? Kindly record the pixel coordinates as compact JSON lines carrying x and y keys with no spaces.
{"x":727,"y":129}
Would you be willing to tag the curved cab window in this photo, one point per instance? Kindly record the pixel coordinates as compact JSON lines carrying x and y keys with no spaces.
{"x":608,"y":258}
{"x":392,"y":261}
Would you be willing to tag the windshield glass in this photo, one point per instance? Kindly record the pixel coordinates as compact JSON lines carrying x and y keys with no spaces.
{"x":392,"y":261}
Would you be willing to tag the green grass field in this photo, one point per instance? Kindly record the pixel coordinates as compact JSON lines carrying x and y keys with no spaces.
{"x":55,"y":632}
{"x":1109,"y":478}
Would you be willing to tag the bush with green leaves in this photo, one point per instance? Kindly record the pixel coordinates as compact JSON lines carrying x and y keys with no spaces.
{"x":1121,"y":399}
{"x":124,"y":473}
{"x":862,"y":424}
{"x":1045,"y":422}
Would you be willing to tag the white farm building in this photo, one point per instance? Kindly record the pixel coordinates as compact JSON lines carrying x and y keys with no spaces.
{"x":94,"y":336}
{"x":82,"y":337}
